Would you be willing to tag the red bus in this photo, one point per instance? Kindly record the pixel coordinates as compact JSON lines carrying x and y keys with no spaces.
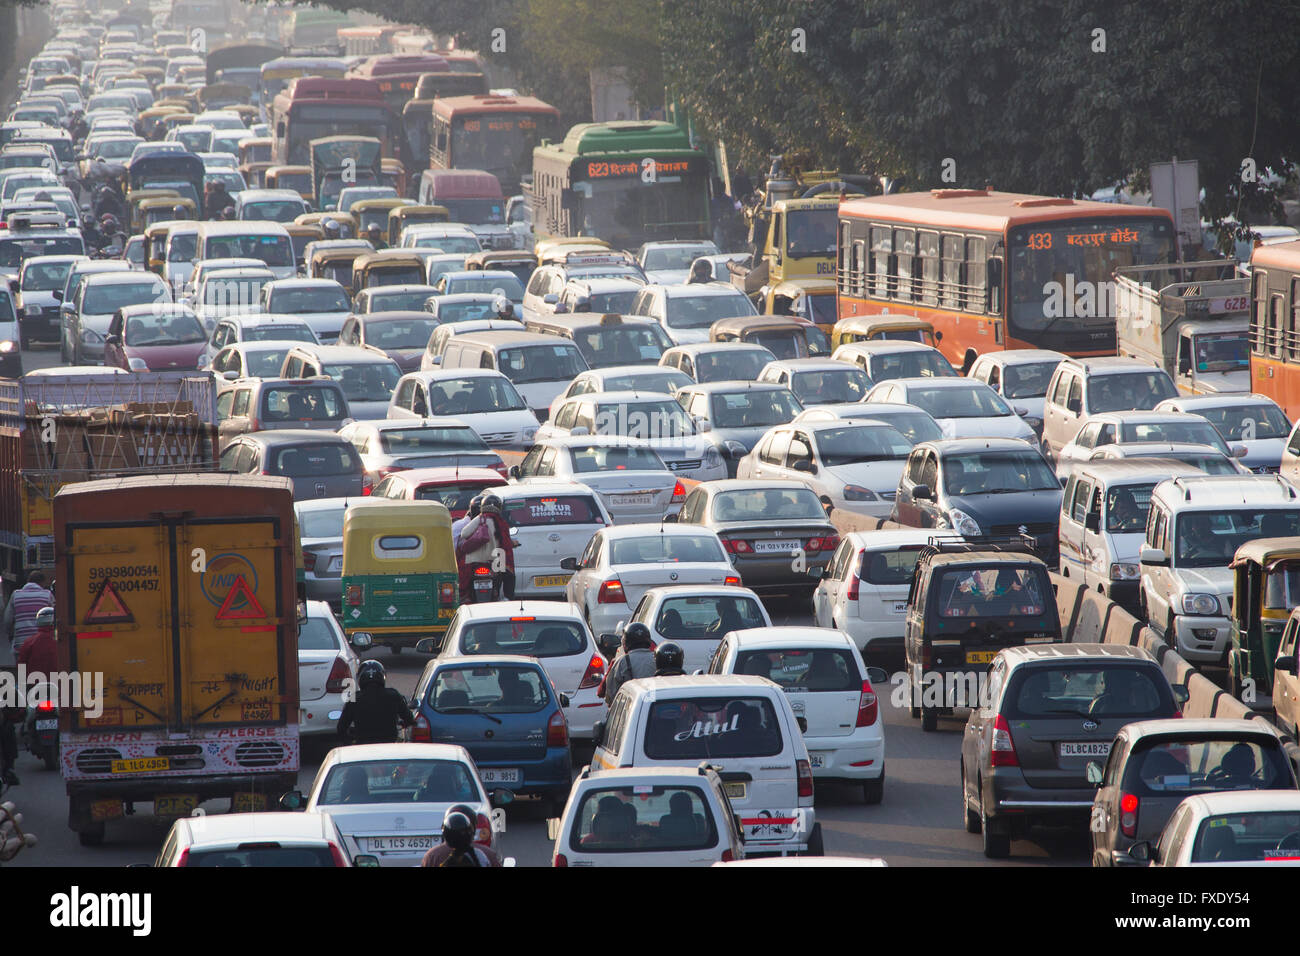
{"x":1275,"y":324}
{"x":496,"y":133}
{"x":313,"y":107}
{"x":992,"y":270}
{"x":398,"y":73}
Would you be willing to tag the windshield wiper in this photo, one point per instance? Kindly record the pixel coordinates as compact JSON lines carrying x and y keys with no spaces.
{"x":469,"y":710}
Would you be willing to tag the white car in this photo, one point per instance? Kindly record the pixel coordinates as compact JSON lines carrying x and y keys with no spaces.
{"x":819,"y":381}
{"x":101,"y":295}
{"x":864,"y":590}
{"x":622,"y":378}
{"x":222,"y":292}
{"x":390,"y":445}
{"x":451,"y":238}
{"x":388,"y":800}
{"x":280,"y":329}
{"x":852,"y":465}
{"x":270,"y":839}
{"x":829,"y":687}
{"x":551,"y":524}
{"x":885,"y":359}
{"x":915,"y":425}
{"x":1020,"y":376}
{"x":632,"y":480}
{"x":1237,"y":828}
{"x":321,"y":303}
{"x":1253,"y":421}
{"x":668,"y":261}
{"x":620,"y":564}
{"x":552,"y":632}
{"x":696,"y":618}
{"x":963,"y":409}
{"x":327,"y":670}
{"x":1120,"y":428}
{"x":481,"y":398}
{"x":707,"y":362}
{"x":687,"y":311}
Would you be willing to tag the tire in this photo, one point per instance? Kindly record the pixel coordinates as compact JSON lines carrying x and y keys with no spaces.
{"x":873,"y":791}
{"x":51,"y":758}
{"x":929,"y":719}
{"x":997,"y":846}
{"x":970,"y":818}
{"x":92,"y":836}
{"x":816,"y":845}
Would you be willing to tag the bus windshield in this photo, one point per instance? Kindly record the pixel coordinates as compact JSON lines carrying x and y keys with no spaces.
{"x":497,"y":142}
{"x":624,"y":209}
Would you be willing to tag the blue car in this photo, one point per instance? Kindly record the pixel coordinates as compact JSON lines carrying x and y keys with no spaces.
{"x":504,"y":710}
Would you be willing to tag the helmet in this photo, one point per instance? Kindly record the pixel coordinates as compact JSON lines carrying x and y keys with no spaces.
{"x":490,"y":502}
{"x":180,"y":212}
{"x":475,"y":506}
{"x":330,"y":228}
{"x":228,"y":212}
{"x":669,"y":657}
{"x":582,"y":304}
{"x":371,"y":672}
{"x":504,"y":308}
{"x":457,"y":829}
{"x":374,"y":230}
{"x":700,"y":269}
{"x":636,"y":635}
{"x":45,"y":617}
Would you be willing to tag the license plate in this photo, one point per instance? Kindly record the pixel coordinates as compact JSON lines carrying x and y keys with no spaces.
{"x":141,"y":765}
{"x":107,"y":810}
{"x":735,"y":791}
{"x":508,"y":775}
{"x":1099,"y":749}
{"x":48,"y":724}
{"x":980,"y":657}
{"x":336,"y":563}
{"x":775,"y":547}
{"x":401,"y":843}
{"x":818,"y":760}
{"x":632,"y":499}
{"x":248,"y":803}
{"x":550,"y":581}
{"x":175,"y":804}
{"x":900,"y":607}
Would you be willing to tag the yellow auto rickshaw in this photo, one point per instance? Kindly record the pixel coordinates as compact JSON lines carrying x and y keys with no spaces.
{"x":552,"y":251}
{"x":813,"y":299}
{"x":1265,"y":590}
{"x":136,"y":198}
{"x":255,"y":174}
{"x":374,"y":212}
{"x":151,"y":117}
{"x":784,"y":336}
{"x":517,"y":261}
{"x":866,"y":328}
{"x":178,"y":93}
{"x":172,"y":120}
{"x":256,"y":149}
{"x":297,"y":178}
{"x":347,"y":222}
{"x":392,"y":172}
{"x":301,"y":235}
{"x":163,"y":208}
{"x":388,"y":267}
{"x":400,"y":217}
{"x":154,"y":75}
{"x":336,"y":262}
{"x":400,"y":578}
{"x":155,"y":245}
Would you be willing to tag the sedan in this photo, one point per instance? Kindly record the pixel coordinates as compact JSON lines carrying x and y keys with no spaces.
{"x":319,"y":464}
{"x":327,"y":670}
{"x":393,"y":445}
{"x":1250,"y":828}
{"x":632,"y":480}
{"x":320,"y":531}
{"x":402,"y":336}
{"x":737,"y":413}
{"x":623,"y":378}
{"x":963,"y":408}
{"x":698,"y":617}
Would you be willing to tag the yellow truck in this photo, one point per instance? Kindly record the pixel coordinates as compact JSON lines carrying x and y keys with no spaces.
{"x":180,"y":590}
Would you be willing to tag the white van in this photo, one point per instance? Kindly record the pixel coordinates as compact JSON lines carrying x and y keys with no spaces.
{"x":539,"y":366}
{"x":265,"y":241}
{"x":742,"y":726}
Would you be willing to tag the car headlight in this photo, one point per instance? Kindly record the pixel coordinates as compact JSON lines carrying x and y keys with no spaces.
{"x":712,"y":458}
{"x":90,"y":337}
{"x":8,"y":346}
{"x":963,"y":524}
{"x":530,"y":433}
{"x":1125,"y":572}
{"x":858,"y":493}
{"x":1204,"y":604}
{"x":137,"y":364}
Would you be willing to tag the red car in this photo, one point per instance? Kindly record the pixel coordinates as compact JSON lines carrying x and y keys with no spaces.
{"x":154,"y":337}
{"x":454,"y":487}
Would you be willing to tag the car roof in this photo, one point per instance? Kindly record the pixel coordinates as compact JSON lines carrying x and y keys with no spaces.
{"x":532,"y":489}
{"x":1244,"y":801}
{"x":884,"y":346}
{"x":1193,"y":402}
{"x":612,"y":371}
{"x":358,"y":753}
{"x":643,"y":529}
{"x":232,"y":829}
{"x":626,"y":395}
{"x":695,"y":348}
{"x":588,"y":441}
{"x":294,"y":436}
{"x":450,"y":374}
{"x":1184,"y":726}
{"x":1117,"y":470}
{"x":267,"y":318}
{"x":733,"y":385}
{"x":812,"y":365}
{"x":700,"y":685}
{"x":700,"y":590}
{"x":406,"y":424}
{"x":409,"y":287}
{"x":304,"y":283}
{"x":930,"y":381}
{"x":505,"y":610}
{"x":123,"y":278}
{"x":1209,"y":491}
{"x":343,"y":353}
{"x":1032,"y":653}
{"x":308,"y":505}
{"x":720,"y":485}
{"x":606,"y":284}
{"x":690,"y":289}
{"x":887,"y":539}
{"x":1141,"y":415}
{"x":614,"y":775}
{"x":1111,"y":363}
{"x":788,"y":636}
{"x":959,"y":446}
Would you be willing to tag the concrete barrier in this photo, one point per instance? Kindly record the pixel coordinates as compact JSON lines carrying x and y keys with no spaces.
{"x":846,"y":522}
{"x":1089,"y":625}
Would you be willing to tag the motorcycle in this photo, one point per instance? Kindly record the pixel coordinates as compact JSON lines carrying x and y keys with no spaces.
{"x":484,"y":584}
{"x":40,"y":732}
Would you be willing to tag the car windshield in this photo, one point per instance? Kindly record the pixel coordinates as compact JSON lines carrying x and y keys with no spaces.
{"x":1209,"y":539}
{"x":850,"y":444}
{"x":1128,"y":390}
{"x":454,"y":497}
{"x":541,"y":363}
{"x":1028,"y":380}
{"x":302,"y":403}
{"x":1242,"y":837}
{"x":365,"y":381}
{"x":731,"y":364}
{"x":180,"y":328}
{"x":298,"y":301}
{"x":998,"y":473}
{"x":618,"y":303}
{"x":701,"y":311}
{"x":321,"y":523}
{"x":706,"y":616}
{"x":400,"y":333}
{"x":1127,"y":507}
{"x":399,"y":781}
{"x":927,"y":364}
{"x":592,"y":459}
{"x":959,"y":402}
{"x":645,"y":420}
{"x":460,"y":245}
{"x":285,"y":330}
{"x":492,"y":689}
{"x":101,"y":299}
{"x":889,"y":567}
{"x":768,"y":504}
{"x":830,"y":386}
{"x":45,"y":276}
{"x":1091,"y":689}
{"x":416,"y":441}
{"x":607,"y":346}
{"x":660,"y":258}
{"x":643,"y":818}
{"x":451,"y":312}
{"x":275,"y":210}
{"x":552,"y":509}
{"x":1203,"y":765}
{"x":314,"y":461}
{"x":1247,"y":422}
{"x":525,"y":635}
{"x":663,"y":380}
{"x":116,"y":148}
{"x":992,"y":592}
{"x":676,"y":548}
{"x":914,"y":426}
{"x":1185,"y":432}
{"x":315,"y":634}
{"x":399,"y":301}
{"x":696,"y":728}
{"x":757,"y":408}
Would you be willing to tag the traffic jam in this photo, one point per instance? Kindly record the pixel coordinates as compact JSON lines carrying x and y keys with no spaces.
{"x":402,"y":472}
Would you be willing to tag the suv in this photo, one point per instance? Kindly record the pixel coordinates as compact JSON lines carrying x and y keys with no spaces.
{"x":367,"y":376}
{"x":969,"y":601}
{"x":1082,"y":387}
{"x":260,"y":404}
{"x":320,"y":464}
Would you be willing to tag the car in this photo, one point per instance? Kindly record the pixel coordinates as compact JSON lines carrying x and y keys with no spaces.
{"x":11,"y":356}
{"x":852,"y":464}
{"x":743,"y":726}
{"x":228,"y":292}
{"x":647,"y":816}
{"x":1021,"y":377}
{"x":273,"y":205}
{"x":528,"y":751}
{"x":963,"y":409}
{"x":718,"y":361}
{"x":451,"y":237}
{"x":1154,"y":765}
{"x":388,"y":800}
{"x":818,"y":381}
{"x":1082,"y":387}
{"x":884,"y":359}
{"x":864,"y":589}
{"x":453,"y":487}
{"x":483,"y":399}
{"x":494,"y":282}
{"x":391,"y":445}
{"x":687,"y":311}
{"x":631,"y":479}
{"x":321,"y":303}
{"x":254,"y":405}
{"x":718,"y":264}
{"x":737,"y":414}
{"x":38,"y":306}
{"x":623,"y":378}
{"x":320,"y":530}
{"x":354,"y":194}
{"x":327,"y":670}
{"x":551,"y":523}
{"x":235,"y":329}
{"x":538,"y":365}
{"x":269,"y":839}
{"x":1255,"y":422}
{"x":1045,"y":713}
{"x":392,"y":298}
{"x":204,"y":267}
{"x":1001,"y":487}
{"x":462,"y":307}
{"x":551,"y":278}
{"x":319,"y":464}
{"x":1201,"y":457}
{"x":1241,"y":828}
{"x":775,"y":531}
{"x":1119,"y":428}
{"x":620,"y":564}
{"x":98,"y":299}
{"x":668,"y":261}
{"x":251,"y":359}
{"x":367,"y":376}
{"x":696,"y":617}
{"x":602,"y":296}
{"x":156,"y":337}
{"x":606,"y":341}
{"x":552,"y":632}
{"x":654,"y":418}
{"x":912,"y":423}
{"x":77,"y":274}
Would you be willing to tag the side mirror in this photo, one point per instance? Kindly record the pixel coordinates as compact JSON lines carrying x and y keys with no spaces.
{"x":569,"y":564}
{"x":817,"y":573}
{"x":938,"y":336}
{"x":514,"y":472}
{"x":1092,"y":521}
{"x":608,"y":645}
{"x":1093,"y":772}
{"x":703,"y":425}
{"x":501,"y":798}
{"x":1180,"y":693}
{"x":922,"y":493}
{"x":579,"y":430}
{"x":805,"y":465}
{"x":362,"y":641}
{"x":1020,"y":410}
{"x":365,"y":859}
{"x":58,"y":295}
{"x":113,"y":340}
{"x":1240,"y":451}
{"x":1287,"y":664}
{"x":428,"y":645}
{"x":1153,"y":557}
{"x":550,"y":298}
{"x":1141,"y":851}
{"x":877,"y":675}
{"x":293,"y":800}
{"x":598,"y":733}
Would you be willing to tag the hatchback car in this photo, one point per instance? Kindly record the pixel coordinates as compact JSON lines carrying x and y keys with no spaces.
{"x":367,"y":376}
{"x":1241,"y":828}
{"x":551,"y":522}
{"x":402,"y":336}
{"x":884,"y":359}
{"x":322,"y":303}
{"x":266,"y":404}
{"x":251,"y":359}
{"x":912,"y":423}
{"x":737,"y":414}
{"x":1020,"y":376}
{"x":632,"y":480}
{"x":818,"y":381}
{"x":155,"y":337}
{"x":1255,"y":422}
{"x":254,"y":840}
{"x":963,"y":409}
{"x":327,"y":670}
{"x":320,"y":465}
{"x":1201,"y":457}
{"x":320,"y":531}
{"x":453,"y":487}
{"x":696,"y":617}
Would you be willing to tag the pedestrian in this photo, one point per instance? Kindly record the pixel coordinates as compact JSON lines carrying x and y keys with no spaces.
{"x":19,"y":621}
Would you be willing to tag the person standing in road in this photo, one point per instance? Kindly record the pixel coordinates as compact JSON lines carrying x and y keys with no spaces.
{"x":24,"y":604}
{"x":377,"y":709}
{"x":636,"y":660}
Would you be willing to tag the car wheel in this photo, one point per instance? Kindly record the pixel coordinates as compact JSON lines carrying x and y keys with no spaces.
{"x":93,"y":835}
{"x":970,"y":818}
{"x":816,"y":846}
{"x":997,"y":845}
{"x":929,"y":719}
{"x":873,"y":791}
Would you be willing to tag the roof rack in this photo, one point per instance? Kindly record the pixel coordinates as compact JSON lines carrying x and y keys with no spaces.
{"x":1010,"y":544}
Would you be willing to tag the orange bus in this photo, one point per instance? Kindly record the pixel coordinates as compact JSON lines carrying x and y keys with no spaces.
{"x":1275,"y":324}
{"x":495,"y":133}
{"x":992,"y":270}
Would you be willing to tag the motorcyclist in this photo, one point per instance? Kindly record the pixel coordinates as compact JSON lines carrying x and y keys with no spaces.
{"x":330,"y":228}
{"x":475,"y":506}
{"x":375,"y":235}
{"x":215,"y":197}
{"x":377,"y":709}
{"x":485,"y":539}
{"x":636,"y":660}
{"x":39,"y":651}
{"x":669,"y":659}
{"x":180,"y":212}
{"x":110,"y":230}
{"x":458,"y":847}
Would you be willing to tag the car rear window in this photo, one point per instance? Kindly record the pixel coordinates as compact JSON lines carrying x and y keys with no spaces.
{"x":302,"y":404}
{"x":889,"y":567}
{"x":992,"y":592}
{"x":309,"y":461}
{"x":322,"y":524}
{"x":552,"y":509}
{"x":705,"y":617}
{"x":316,"y":635}
{"x":598,"y":458}
{"x":429,"y":438}
{"x":643,"y":819}
{"x":283,"y":330}
{"x":399,"y":781}
{"x":1188,"y":766}
{"x":452,"y":497}
{"x":528,"y":636}
{"x":1241,"y":837}
{"x":1091,"y":689}
{"x":494,"y":689}
{"x":703,"y":727}
{"x":663,"y":547}
{"x":264,"y":855}
{"x":818,"y":669}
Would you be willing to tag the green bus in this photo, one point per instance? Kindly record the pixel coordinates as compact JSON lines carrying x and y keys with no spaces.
{"x":626,"y":182}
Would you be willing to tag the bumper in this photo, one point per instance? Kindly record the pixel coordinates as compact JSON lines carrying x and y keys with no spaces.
{"x":1201,"y":638}
{"x":605,"y":617}
{"x":320,"y":717}
{"x":42,"y":328}
{"x":551,"y":775}
{"x":325,"y":589}
{"x":1008,"y":796}
{"x":525,"y":587}
{"x":873,"y":632}
{"x":777,"y":575}
{"x":855,"y":758}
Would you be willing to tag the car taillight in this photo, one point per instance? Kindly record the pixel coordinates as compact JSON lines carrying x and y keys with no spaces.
{"x":339,"y":673}
{"x":737,"y":546}
{"x":337,"y":855}
{"x":560,"y":860}
{"x":1128,"y":814}
{"x":184,"y":858}
{"x":868,"y":705}
{"x":825,"y":543}
{"x":731,"y":581}
{"x":309,"y":560}
{"x":45,"y":705}
{"x":679,"y":493}
{"x":483,"y":830}
{"x":557,"y":730}
{"x":727,"y":857}
{"x":611,"y":592}
{"x":804,"y":769}
{"x":421,"y":732}
{"x":594,"y":673}
{"x":852,"y":593}
{"x":1003,"y":751}
{"x":367,"y":483}
{"x":354,"y":594}
{"x":447,"y":592}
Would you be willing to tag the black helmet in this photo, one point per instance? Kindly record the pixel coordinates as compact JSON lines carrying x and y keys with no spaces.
{"x":371,"y":672}
{"x":457,"y":830}
{"x":669,"y":658}
{"x":636,"y":635}
{"x":180,"y":212}
{"x":490,"y":502}
{"x":701,"y":269}
{"x":475,"y":506}
{"x":374,"y":230}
